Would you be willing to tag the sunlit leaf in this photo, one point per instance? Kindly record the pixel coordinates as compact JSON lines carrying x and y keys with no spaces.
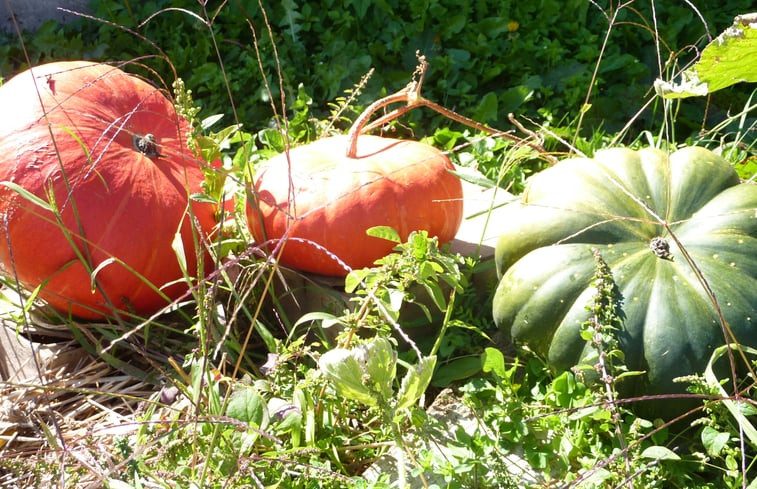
{"x":343,"y":369}
{"x":727,"y":60}
{"x":246,"y":405}
{"x":27,"y":195}
{"x":657,"y":452}
{"x":714,"y":441}
{"x":384,"y":232}
{"x":415,"y":382}
{"x":380,"y":360}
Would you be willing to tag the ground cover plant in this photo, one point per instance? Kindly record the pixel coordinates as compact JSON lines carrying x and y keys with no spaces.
{"x":243,"y":384}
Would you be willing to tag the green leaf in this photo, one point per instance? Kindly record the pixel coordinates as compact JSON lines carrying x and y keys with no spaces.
{"x":487,"y":109}
{"x":211,"y":120}
{"x":354,"y":280}
{"x":380,"y":362}
{"x":714,"y":441}
{"x":384,"y":232}
{"x":246,"y":405}
{"x":474,"y":178}
{"x":342,"y":368}
{"x":727,"y":60}
{"x":657,"y":452}
{"x":415,"y":382}
{"x":735,"y":408}
{"x":203,"y":198}
{"x":459,"y":369}
{"x":436,"y":294}
{"x":492,"y":360}
{"x":327,"y":320}
{"x":27,"y":195}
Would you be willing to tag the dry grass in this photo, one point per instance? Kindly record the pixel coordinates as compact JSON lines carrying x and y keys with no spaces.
{"x":62,"y":410}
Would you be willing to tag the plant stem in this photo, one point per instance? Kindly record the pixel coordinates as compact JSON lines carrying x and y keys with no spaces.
{"x":411,"y":96}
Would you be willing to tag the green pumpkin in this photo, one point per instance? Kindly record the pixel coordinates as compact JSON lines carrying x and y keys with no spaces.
{"x":644,"y":211}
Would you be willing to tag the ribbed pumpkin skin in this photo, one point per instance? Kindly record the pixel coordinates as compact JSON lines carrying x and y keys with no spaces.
{"x":670,"y":326}
{"x":406,"y":185}
{"x":116,"y":203}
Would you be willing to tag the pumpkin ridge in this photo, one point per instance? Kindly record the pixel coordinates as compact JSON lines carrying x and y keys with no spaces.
{"x":670,"y":327}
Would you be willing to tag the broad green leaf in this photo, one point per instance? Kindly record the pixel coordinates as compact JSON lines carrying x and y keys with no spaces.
{"x":437,"y":295}
{"x":714,"y":441}
{"x":492,"y":360}
{"x":727,"y":60}
{"x":415,"y":382}
{"x":355,"y":279}
{"x":459,"y":369}
{"x":396,"y":299}
{"x":246,"y":405}
{"x":488,"y":108}
{"x":384,"y":232}
{"x":657,"y":452}
{"x":342,"y":368}
{"x":380,"y":362}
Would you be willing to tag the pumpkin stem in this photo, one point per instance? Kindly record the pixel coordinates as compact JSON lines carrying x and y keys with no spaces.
{"x":147,"y":145}
{"x":411,"y":96}
{"x":661,"y":248}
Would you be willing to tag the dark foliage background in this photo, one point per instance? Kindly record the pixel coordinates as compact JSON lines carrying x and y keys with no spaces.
{"x":487,"y":57}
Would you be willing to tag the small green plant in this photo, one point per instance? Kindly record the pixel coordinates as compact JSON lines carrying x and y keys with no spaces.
{"x":366,"y":373}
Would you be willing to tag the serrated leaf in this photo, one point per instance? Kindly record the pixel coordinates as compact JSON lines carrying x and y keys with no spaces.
{"x":657,"y":452}
{"x":415,"y":382}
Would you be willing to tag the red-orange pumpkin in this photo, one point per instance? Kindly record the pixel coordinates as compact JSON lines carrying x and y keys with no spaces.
{"x":108,"y":151}
{"x":334,"y":199}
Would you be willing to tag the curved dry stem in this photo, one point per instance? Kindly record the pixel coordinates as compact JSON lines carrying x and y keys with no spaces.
{"x":412,"y":98}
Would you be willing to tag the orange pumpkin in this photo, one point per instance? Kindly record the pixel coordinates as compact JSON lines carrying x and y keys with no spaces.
{"x":105,"y":153}
{"x":333,"y":199}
